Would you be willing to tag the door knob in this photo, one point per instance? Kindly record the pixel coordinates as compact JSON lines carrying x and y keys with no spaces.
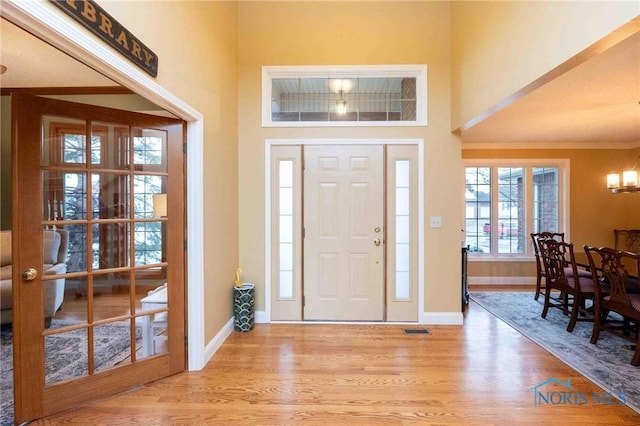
{"x":29,"y":274}
{"x":376,"y":241}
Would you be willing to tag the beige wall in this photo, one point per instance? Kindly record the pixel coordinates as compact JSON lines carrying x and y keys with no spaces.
{"x":593,"y":211}
{"x":211,"y":55}
{"x":501,"y":47}
{"x":196,"y":43}
{"x":353,"y":33}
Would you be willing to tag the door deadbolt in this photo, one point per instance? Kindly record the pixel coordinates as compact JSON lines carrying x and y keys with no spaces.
{"x":29,"y":274}
{"x":376,"y":241}
{"x":377,"y":229}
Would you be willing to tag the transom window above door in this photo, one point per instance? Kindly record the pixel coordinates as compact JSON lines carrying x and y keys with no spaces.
{"x":319,"y":96}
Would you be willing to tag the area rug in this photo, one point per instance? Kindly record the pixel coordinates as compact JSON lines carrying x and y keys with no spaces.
{"x":66,"y":357}
{"x":607,"y":363}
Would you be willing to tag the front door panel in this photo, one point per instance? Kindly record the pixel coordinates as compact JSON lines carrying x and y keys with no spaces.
{"x":343,"y":243}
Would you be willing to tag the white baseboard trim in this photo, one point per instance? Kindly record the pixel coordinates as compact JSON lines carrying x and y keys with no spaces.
{"x":442,"y":318}
{"x":260,"y":317}
{"x":502,"y":280}
{"x":212,"y":347}
{"x":314,"y":322}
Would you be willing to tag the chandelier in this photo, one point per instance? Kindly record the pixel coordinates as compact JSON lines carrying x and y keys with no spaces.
{"x":341,"y":105}
{"x":629,"y":180}
{"x":341,"y":86}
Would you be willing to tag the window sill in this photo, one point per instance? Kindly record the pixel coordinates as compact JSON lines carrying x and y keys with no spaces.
{"x":503,"y":258}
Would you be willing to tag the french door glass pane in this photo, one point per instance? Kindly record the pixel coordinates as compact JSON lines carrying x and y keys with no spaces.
{"x":78,"y":246}
{"x":104,"y":287}
{"x":74,"y":148}
{"x":109,"y":196}
{"x":149,"y":150}
{"x":64,"y":195}
{"x":109,"y":146}
{"x":111,"y":345}
{"x":98,"y":144}
{"x":149,"y":242}
{"x":151,"y":295}
{"x":110,"y":247}
{"x":144,"y":189}
{"x":63,"y":141}
{"x":64,"y":361}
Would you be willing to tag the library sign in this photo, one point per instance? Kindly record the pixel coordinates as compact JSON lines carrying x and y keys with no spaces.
{"x":99,"y":22}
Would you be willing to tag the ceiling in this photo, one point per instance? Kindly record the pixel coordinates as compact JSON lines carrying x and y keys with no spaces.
{"x":30,"y":63}
{"x":594,"y":103}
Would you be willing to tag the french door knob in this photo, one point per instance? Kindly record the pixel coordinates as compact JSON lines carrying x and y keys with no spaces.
{"x":29,"y":274}
{"x":376,"y":241}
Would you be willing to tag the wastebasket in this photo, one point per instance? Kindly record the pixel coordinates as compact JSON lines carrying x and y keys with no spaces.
{"x":244,"y":301}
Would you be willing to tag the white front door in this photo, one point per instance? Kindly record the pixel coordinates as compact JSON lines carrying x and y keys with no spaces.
{"x":344,"y":233}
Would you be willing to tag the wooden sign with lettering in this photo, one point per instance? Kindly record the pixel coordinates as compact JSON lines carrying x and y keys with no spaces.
{"x":94,"y":17}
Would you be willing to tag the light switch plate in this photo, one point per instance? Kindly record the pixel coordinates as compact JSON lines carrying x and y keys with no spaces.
{"x":436,"y":221}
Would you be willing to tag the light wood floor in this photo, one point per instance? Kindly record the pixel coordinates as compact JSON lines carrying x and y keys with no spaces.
{"x":479,"y":374}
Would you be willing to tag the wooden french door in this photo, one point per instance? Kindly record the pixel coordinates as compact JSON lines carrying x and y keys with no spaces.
{"x":344,"y":233}
{"x":89,"y":176}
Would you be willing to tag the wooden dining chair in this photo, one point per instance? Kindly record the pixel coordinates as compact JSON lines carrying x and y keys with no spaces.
{"x":616,"y":290}
{"x":627,"y":240}
{"x":561,"y":273}
{"x":540,"y":274}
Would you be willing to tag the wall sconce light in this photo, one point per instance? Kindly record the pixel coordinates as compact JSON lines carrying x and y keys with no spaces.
{"x":629,"y":180}
{"x":160,"y":205}
{"x":341,"y":105}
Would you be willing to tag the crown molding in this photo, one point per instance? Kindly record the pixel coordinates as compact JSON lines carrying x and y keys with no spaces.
{"x":550,"y":145}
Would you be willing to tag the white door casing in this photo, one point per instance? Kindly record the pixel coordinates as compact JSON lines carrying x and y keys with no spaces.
{"x":344,"y":233}
{"x":42,"y":20}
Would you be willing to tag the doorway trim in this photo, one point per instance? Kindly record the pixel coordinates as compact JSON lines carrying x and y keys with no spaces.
{"x":51,"y":26}
{"x":265,"y":316}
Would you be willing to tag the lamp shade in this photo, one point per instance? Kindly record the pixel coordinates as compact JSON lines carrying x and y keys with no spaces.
{"x":613,"y":181}
{"x":160,"y":205}
{"x":630,"y":178}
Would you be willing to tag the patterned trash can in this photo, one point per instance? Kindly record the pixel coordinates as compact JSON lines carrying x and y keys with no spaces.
{"x":244,"y":301}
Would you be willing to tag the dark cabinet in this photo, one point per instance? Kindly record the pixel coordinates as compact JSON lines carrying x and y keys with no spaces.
{"x":465,"y":284}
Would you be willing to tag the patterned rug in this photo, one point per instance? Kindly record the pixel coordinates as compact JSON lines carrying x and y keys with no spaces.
{"x":66,"y":356}
{"x":607,"y":363}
